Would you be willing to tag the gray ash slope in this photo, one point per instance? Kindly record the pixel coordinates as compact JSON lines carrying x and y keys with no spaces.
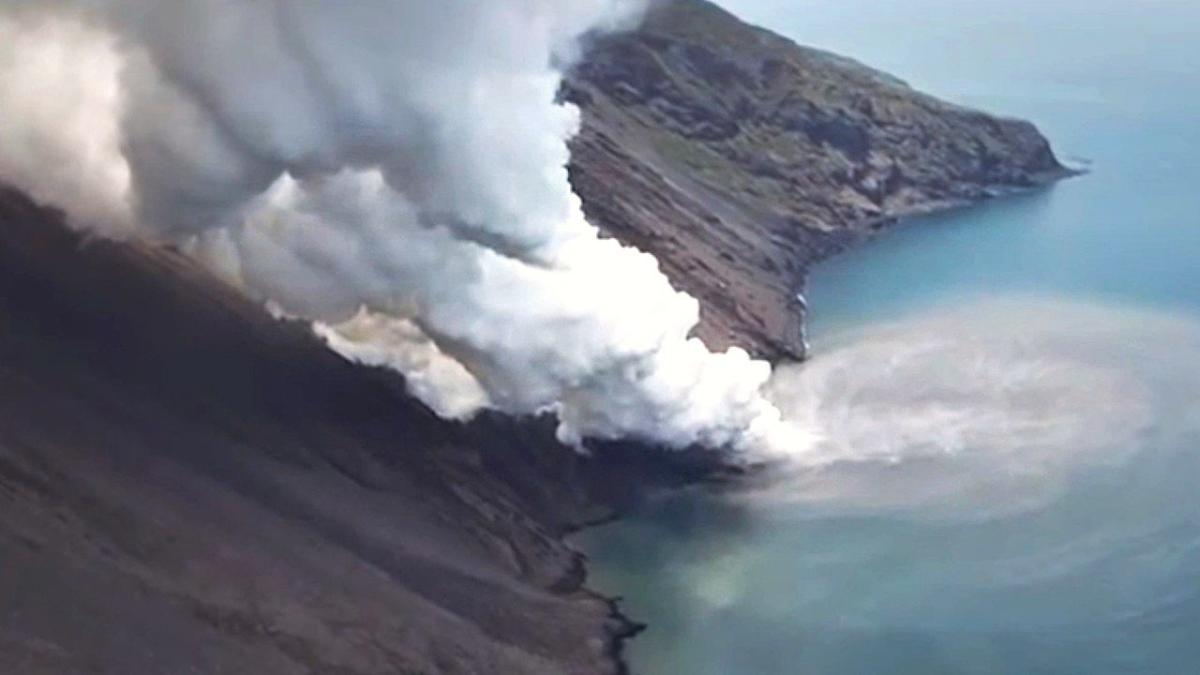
{"x":187,"y":485}
{"x":740,"y":159}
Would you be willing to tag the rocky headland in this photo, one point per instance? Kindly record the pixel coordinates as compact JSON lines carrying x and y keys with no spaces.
{"x":740,"y":159}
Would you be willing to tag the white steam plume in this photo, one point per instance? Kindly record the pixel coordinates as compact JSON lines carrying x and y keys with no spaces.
{"x":391,"y":169}
{"x":59,"y":118}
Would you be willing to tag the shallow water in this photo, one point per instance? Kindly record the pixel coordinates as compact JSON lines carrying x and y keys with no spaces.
{"x":1007,"y":397}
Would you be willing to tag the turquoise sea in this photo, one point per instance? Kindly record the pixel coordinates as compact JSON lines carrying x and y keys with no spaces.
{"x":1006,"y":399}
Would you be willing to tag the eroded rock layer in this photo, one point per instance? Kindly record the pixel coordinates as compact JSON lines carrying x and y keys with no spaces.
{"x":740,"y":158}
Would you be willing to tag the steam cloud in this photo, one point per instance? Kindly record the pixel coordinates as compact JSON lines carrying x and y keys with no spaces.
{"x":987,"y":406}
{"x":392,"y":170}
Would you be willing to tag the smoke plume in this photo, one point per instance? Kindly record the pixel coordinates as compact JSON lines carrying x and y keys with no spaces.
{"x":394,"y":171}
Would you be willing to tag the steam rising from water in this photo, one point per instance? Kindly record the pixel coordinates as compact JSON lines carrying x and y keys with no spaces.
{"x":1003,"y":486}
{"x":990,"y":405}
{"x":393,"y":171}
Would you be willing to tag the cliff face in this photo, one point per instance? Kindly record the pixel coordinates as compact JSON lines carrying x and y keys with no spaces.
{"x":740,"y":158}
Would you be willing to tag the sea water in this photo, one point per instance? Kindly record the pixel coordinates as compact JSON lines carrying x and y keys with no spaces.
{"x":1007,"y":397}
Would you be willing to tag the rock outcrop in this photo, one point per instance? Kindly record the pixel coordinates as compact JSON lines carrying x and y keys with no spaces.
{"x":739,"y":159}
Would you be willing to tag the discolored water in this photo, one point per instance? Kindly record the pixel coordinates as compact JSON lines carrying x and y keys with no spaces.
{"x":1007,"y":398}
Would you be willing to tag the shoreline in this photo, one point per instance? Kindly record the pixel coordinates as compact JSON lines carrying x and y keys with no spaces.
{"x":631,"y":628}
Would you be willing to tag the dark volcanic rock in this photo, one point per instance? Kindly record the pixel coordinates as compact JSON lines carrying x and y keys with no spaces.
{"x":739,"y":159}
{"x":189,"y":486}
